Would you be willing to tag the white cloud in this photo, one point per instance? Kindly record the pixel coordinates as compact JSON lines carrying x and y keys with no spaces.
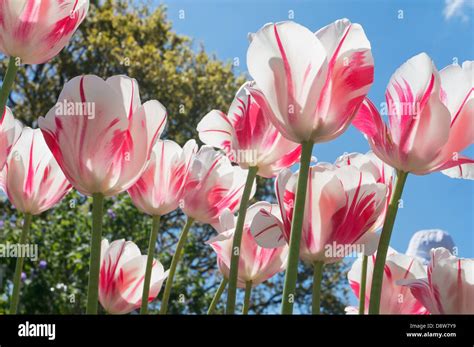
{"x":458,"y":8}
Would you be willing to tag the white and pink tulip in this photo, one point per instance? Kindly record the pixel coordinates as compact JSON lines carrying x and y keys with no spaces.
{"x":395,"y":299}
{"x":431,"y":117}
{"x":101,"y":134}
{"x":342,"y":205}
{"x":246,"y":134}
{"x":382,"y":173}
{"x":448,"y":287}
{"x":256,"y":264}
{"x":310,"y":85}
{"x":160,"y":188}
{"x":37,"y":30}
{"x":31,"y":178}
{"x":212,"y":185}
{"x":122,"y":271}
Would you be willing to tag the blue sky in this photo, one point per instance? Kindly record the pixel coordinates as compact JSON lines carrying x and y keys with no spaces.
{"x":443,"y":30}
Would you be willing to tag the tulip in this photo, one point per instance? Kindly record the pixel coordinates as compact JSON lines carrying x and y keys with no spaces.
{"x":34,"y":31}
{"x":160,"y":188}
{"x":248,"y":136}
{"x":395,"y":299}
{"x":431,"y":117}
{"x":449,"y":285}
{"x":313,"y":83}
{"x":34,"y":183}
{"x":212,"y":185}
{"x":256,"y":264}
{"x":382,"y":174}
{"x":101,"y":134}
{"x":310,"y":86}
{"x":251,"y":140}
{"x":122,"y":271}
{"x":102,"y":137}
{"x":431,"y":120}
{"x":32,"y":179}
{"x":159,"y":191}
{"x":343,"y":203}
{"x":10,"y":130}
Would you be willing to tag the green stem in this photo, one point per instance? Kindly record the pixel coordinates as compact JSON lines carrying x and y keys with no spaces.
{"x":19,"y":266}
{"x":174,"y":264}
{"x":234,"y":262}
{"x":149,"y":264}
{"x":8,"y":82}
{"x":317,"y":279}
{"x":377,"y":277}
{"x":363,"y":281}
{"x":217,"y":296}
{"x":296,"y":227}
{"x":248,"y":292}
{"x":94,"y":264}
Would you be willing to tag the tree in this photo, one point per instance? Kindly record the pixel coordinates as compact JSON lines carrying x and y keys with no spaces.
{"x":117,"y":38}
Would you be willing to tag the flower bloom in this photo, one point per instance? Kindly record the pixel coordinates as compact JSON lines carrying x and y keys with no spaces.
{"x":10,"y":130}
{"x":159,"y":189}
{"x":100,"y":133}
{"x":395,"y":299}
{"x":256,"y":264}
{"x":381,"y":172}
{"x":430,"y":114}
{"x":213,"y":184}
{"x":342,"y":204}
{"x":122,"y":273}
{"x":310,"y":85}
{"x":248,"y":136}
{"x":31,"y":178}
{"x":449,"y":285}
{"x":37,"y":30}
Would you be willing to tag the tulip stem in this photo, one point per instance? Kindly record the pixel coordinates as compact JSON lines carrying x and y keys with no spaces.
{"x":363,"y":283}
{"x":19,"y":266}
{"x":217,"y":296}
{"x":377,"y":277}
{"x":248,"y":292}
{"x":149,"y":264}
{"x":174,"y":264}
{"x":296,"y":227}
{"x":94,"y":265}
{"x":234,"y":262}
{"x":8,"y":80}
{"x":317,"y":279}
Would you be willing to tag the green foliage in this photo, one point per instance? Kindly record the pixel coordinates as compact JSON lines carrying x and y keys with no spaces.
{"x":139,"y":42}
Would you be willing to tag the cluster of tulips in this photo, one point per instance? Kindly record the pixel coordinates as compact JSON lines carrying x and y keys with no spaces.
{"x":307,"y":88}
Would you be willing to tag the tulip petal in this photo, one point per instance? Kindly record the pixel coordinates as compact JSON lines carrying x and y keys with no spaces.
{"x":464,"y":171}
{"x":215,"y":130}
{"x":128,"y":90}
{"x":267,"y":229}
{"x":350,"y":75}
